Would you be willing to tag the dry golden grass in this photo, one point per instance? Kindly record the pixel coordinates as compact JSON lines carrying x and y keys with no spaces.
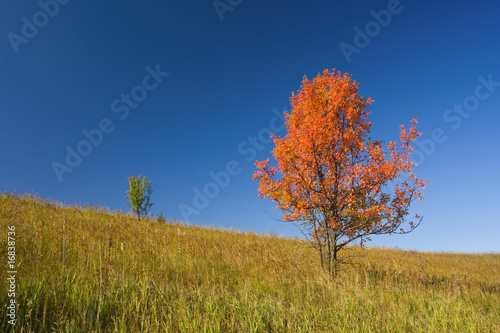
{"x":121,"y":275}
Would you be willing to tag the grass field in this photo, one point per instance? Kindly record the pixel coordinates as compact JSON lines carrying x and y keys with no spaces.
{"x":90,"y":270}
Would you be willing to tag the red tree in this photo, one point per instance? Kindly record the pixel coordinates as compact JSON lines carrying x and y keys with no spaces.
{"x":336,"y":182}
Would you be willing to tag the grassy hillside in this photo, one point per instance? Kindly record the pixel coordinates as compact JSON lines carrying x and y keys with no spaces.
{"x":91,"y":270}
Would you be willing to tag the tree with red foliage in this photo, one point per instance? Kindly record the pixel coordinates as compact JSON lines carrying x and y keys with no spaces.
{"x":334,"y":180}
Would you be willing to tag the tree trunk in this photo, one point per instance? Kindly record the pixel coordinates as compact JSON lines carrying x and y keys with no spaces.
{"x":328,"y":248}
{"x":334,"y":257}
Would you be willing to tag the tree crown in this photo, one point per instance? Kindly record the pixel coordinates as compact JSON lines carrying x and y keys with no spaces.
{"x":330,"y":176}
{"x":138,"y":195}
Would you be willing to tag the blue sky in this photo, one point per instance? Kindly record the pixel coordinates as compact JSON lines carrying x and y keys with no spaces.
{"x":101,"y":67}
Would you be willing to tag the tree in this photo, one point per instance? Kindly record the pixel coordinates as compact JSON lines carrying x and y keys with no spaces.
{"x":160,"y":218}
{"x":139,"y":195}
{"x":338,"y":184}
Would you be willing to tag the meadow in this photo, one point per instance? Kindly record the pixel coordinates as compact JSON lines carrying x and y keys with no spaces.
{"x":86,"y":269}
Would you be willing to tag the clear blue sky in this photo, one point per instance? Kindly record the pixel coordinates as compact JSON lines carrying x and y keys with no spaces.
{"x":73,"y":66}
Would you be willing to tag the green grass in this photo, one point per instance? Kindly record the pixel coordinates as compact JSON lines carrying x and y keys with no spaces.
{"x":121,"y":275}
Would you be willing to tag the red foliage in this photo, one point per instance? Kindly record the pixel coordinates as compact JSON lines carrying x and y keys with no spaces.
{"x":332,"y":177}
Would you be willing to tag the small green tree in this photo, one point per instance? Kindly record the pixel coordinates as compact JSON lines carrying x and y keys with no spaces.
{"x":139,"y":195}
{"x":160,"y":218}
